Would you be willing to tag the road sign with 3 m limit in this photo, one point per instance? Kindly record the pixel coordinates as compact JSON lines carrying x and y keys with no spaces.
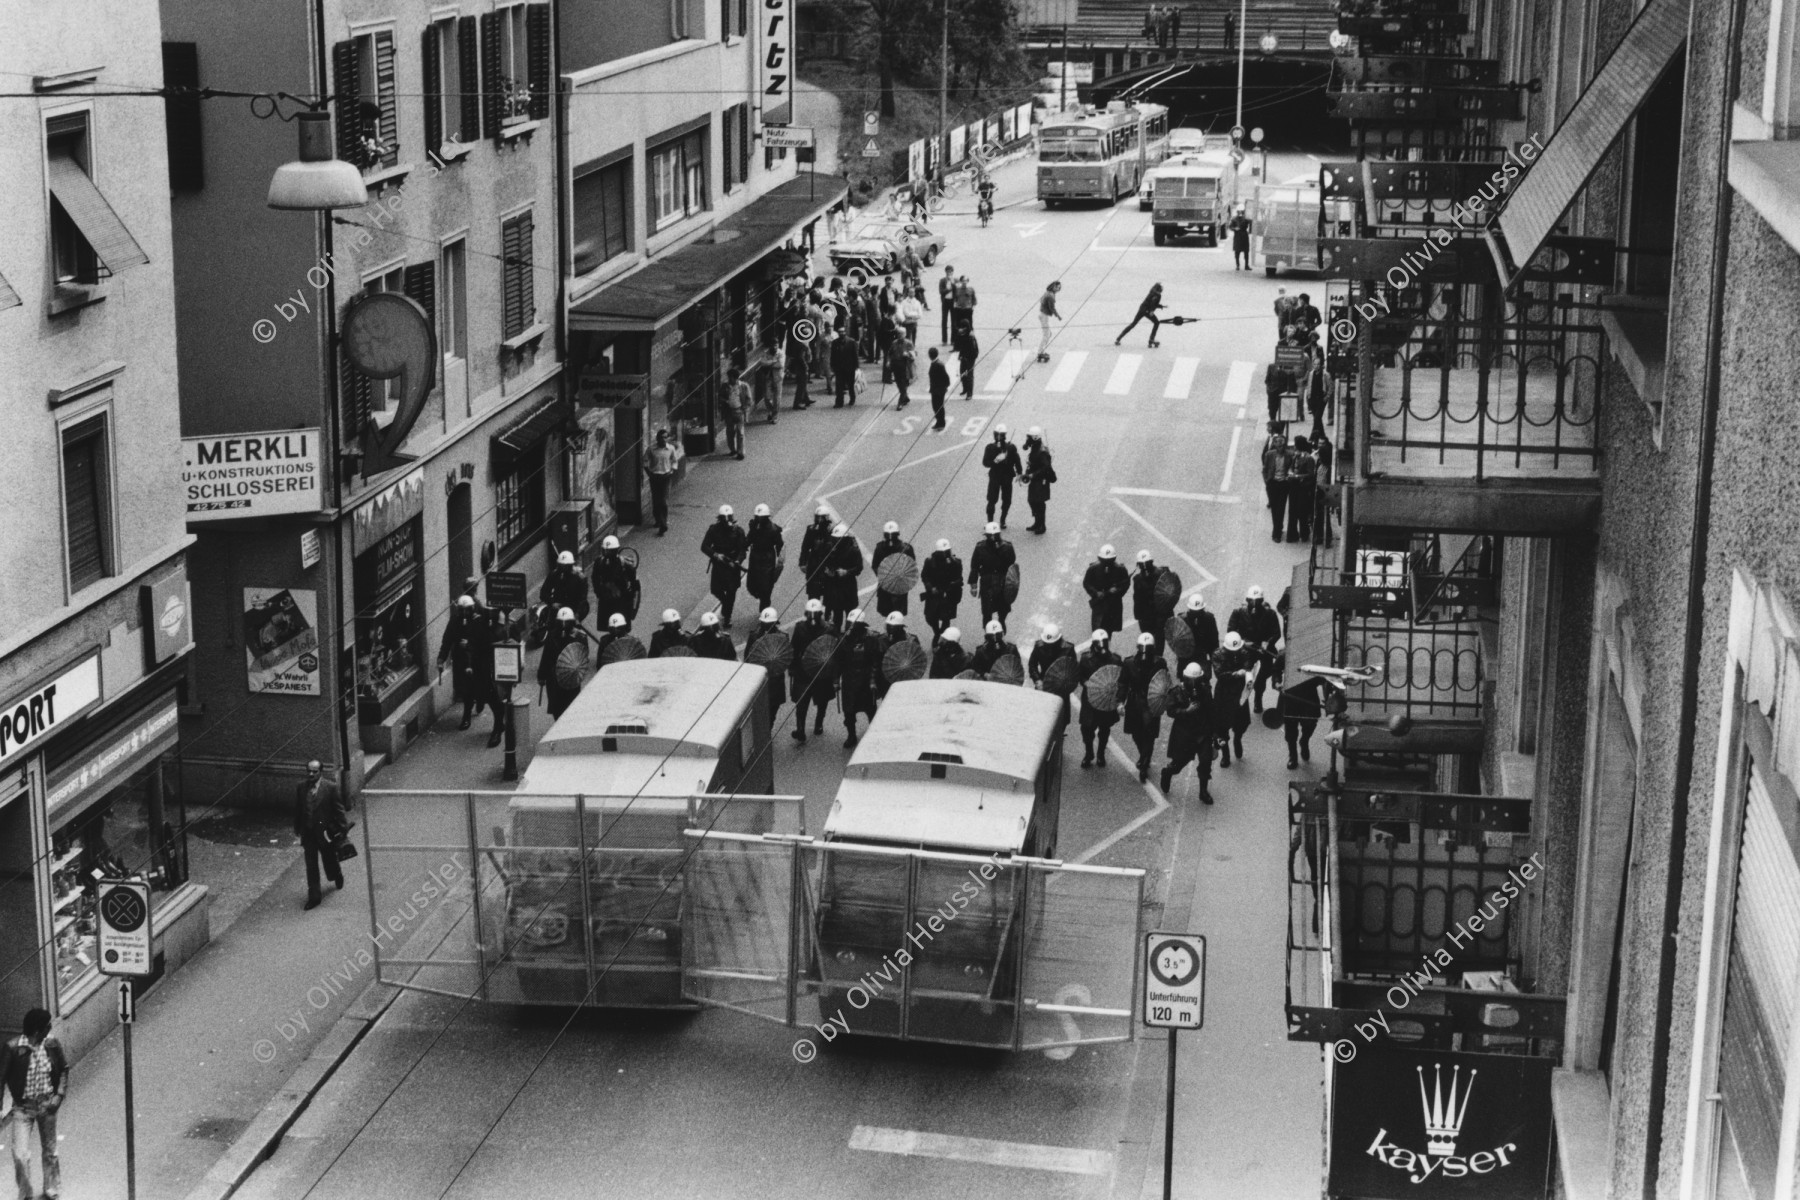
{"x":124,"y":935}
{"x":1174,"y":981}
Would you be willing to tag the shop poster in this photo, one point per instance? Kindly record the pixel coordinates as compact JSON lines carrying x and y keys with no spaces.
{"x":281,"y":640}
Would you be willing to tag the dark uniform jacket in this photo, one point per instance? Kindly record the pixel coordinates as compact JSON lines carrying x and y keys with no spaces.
{"x":1106,"y":583}
{"x":664,"y":637}
{"x":813,"y":545}
{"x":1145,"y":609}
{"x":1040,"y":473}
{"x":777,"y":679}
{"x":1259,"y":626}
{"x":1043,"y":654}
{"x":1087,"y":662}
{"x":616,"y":586}
{"x":937,"y":377}
{"x":860,"y":658}
{"x":824,"y":684}
{"x":993,"y":648}
{"x":941,"y":577}
{"x":987,"y":570}
{"x":845,"y":357}
{"x":1135,"y":674}
{"x":842,"y":567}
{"x":1205,"y":627}
{"x":713,"y":643}
{"x":889,"y":544}
{"x":565,"y":588}
{"x":1231,"y":712}
{"x":726,"y":545}
{"x":469,"y":645}
{"x":948,"y":661}
{"x":1002,"y":460}
{"x":318,"y":811}
{"x":1190,"y":721}
{"x":767,"y":545}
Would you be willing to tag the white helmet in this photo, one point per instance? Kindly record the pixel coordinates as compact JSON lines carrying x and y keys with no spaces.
{"x":709,"y":620}
{"x":609,"y":542}
{"x":1000,"y":430}
{"x":1234,"y":641}
{"x":1107,"y":553}
{"x":840,"y":530}
{"x":991,"y":527}
{"x":670,"y":616}
{"x":815,"y":605}
{"x":1191,"y":671}
{"x":896,"y":618}
{"x":1196,"y":603}
{"x":952,"y":634}
{"x":994,"y":626}
{"x":725,"y":510}
{"x":1146,"y":639}
{"x":943,"y":544}
{"x":769,"y":615}
{"x":855,"y":617}
{"x":1036,"y":431}
{"x":761,"y":510}
{"x":1098,"y":636}
{"x":824,"y":510}
{"x":1253,"y":593}
{"x":617,"y":621}
{"x":465,"y":602}
{"x":1143,"y":556}
{"x":1052,"y":633}
{"x":565,"y":614}
{"x":565,"y":559}
{"x":891,"y":527}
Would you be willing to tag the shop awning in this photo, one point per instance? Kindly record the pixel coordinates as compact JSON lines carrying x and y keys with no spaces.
{"x":1308,"y":628}
{"x":1584,"y":137}
{"x":106,"y":235}
{"x":650,"y":298}
{"x":523,"y":435}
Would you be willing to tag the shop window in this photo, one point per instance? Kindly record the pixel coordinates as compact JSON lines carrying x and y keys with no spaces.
{"x":602,"y":214}
{"x":87,"y":502}
{"x":519,"y":501}
{"x":390,"y":623}
{"x":678,"y":179}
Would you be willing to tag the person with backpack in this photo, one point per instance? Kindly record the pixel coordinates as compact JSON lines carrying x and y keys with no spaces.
{"x":1040,"y":473}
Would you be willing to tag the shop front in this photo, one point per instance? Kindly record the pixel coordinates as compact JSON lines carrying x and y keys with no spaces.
{"x":388,"y":589}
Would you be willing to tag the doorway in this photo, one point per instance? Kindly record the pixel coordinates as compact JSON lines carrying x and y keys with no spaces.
{"x":459,"y":553}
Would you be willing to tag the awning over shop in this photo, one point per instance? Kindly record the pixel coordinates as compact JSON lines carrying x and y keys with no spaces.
{"x":1308,"y":628}
{"x":1584,"y":137}
{"x":522,"y":435}
{"x":651,"y":297}
{"x":106,"y":235}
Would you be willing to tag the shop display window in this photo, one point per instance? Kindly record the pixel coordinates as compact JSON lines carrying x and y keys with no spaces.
{"x":390,"y":624}
{"x":136,"y":830}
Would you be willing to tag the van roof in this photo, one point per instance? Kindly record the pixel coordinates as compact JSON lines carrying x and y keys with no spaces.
{"x":691,"y":705}
{"x":994,"y":727}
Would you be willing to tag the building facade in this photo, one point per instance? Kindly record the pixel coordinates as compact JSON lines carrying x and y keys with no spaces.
{"x":95,"y":623}
{"x":331,"y":587}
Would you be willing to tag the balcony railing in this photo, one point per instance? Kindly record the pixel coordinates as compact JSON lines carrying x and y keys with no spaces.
{"x":1435,"y":577}
{"x":1431,"y":674}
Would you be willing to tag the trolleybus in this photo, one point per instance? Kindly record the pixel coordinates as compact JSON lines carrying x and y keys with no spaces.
{"x":1100,"y":155}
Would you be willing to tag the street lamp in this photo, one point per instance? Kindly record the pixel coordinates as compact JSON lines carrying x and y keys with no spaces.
{"x":318,"y":181}
{"x":1243,"y":25}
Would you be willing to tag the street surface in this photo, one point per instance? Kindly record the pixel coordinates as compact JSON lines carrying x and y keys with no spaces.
{"x":1156,"y":449}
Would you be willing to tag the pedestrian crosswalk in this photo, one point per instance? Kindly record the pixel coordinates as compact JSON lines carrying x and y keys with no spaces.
{"x":1116,"y":374}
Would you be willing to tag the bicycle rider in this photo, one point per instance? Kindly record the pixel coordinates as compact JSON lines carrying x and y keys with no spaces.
{"x":984,"y":208}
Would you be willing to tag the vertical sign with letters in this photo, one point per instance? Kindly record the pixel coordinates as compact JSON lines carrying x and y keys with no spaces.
{"x":777,"y":70}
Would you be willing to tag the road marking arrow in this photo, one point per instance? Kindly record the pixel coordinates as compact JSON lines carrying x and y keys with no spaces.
{"x":1030,"y":229}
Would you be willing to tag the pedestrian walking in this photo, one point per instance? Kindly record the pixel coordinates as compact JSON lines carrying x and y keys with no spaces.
{"x":320,"y":818}
{"x":1146,"y":312}
{"x":937,"y":377}
{"x":968,"y":352}
{"x":616,"y":586}
{"x":768,"y":622}
{"x":668,"y":635}
{"x":800,"y":367}
{"x":659,"y":469}
{"x":947,"y":657}
{"x":767,"y":555}
{"x":1143,"y":724}
{"x":1240,"y":239}
{"x":1318,"y":398}
{"x":1047,"y":310}
{"x":1306,"y":314}
{"x":1106,"y":583}
{"x":1190,"y":730}
{"x":871,"y":320}
{"x":941,"y":577}
{"x":734,"y":406}
{"x":887,"y":603}
{"x":813,"y":545}
{"x":765,"y":375}
{"x":962,"y":302}
{"x":1302,"y":703}
{"x":843,"y":566}
{"x":859,"y":659}
{"x":1096,"y":721}
{"x":1303,"y":472}
{"x":468,"y":646}
{"x":564,"y":587}
{"x":713,"y":639}
{"x":1284,"y":309}
{"x":910,"y":268}
{"x":1040,"y":473}
{"x":844,"y":365}
{"x":817,"y":688}
{"x":988,"y":564}
{"x":1275,"y":483}
{"x":1146,"y":609}
{"x":564,"y":632}
{"x":1260,"y":628}
{"x":909,"y":312}
{"x":1001,"y":460}
{"x":37,"y":1079}
{"x":1233,"y":666}
{"x":900,"y":364}
{"x":725,"y":546}
{"x":946,"y":289}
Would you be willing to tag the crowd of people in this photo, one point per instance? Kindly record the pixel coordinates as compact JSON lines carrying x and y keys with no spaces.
{"x":1297,"y":470}
{"x":1163,"y":23}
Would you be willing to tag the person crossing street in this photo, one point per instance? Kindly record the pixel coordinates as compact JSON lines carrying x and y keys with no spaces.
{"x":1146,"y":312}
{"x":968,"y":353}
{"x":1047,"y":310}
{"x":937,"y":378}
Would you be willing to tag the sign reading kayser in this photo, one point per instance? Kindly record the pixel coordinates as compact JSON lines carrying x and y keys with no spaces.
{"x":250,"y":474}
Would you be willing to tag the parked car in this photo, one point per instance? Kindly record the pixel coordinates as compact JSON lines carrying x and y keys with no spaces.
{"x":876,"y":245}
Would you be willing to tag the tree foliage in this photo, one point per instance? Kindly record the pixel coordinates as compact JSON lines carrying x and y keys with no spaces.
{"x":902,"y":41}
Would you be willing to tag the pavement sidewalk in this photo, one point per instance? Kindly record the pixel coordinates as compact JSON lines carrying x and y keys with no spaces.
{"x":228,"y":1049}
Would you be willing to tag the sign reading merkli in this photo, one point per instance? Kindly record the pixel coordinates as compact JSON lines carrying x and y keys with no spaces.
{"x":234,"y":475}
{"x":1424,"y":1124}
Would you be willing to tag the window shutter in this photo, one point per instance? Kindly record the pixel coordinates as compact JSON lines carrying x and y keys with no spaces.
{"x":434,"y":90}
{"x":517,"y":284}
{"x":537,"y":53}
{"x":388,"y":131}
{"x":420,"y":283}
{"x":468,"y":53}
{"x":347,"y":111}
{"x":727,"y":132}
{"x":491,"y":98}
{"x":725,"y":9}
{"x":81,"y":505}
{"x":354,"y":396}
{"x":181,"y":115}
{"x":743,"y":143}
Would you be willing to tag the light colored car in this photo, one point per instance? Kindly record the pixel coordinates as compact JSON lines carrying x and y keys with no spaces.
{"x":1186,"y":141}
{"x":876,"y":245}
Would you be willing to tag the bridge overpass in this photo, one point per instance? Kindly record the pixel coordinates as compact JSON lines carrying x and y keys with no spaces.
{"x":1110,"y":33}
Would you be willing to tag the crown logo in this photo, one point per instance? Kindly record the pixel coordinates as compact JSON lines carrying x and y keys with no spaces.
{"x":1443,"y":1116}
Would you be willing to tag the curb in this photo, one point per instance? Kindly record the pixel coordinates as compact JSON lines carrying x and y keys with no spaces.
{"x":264,"y":1133}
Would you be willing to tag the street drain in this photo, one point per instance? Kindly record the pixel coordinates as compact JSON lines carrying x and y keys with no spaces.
{"x":218,"y":1129}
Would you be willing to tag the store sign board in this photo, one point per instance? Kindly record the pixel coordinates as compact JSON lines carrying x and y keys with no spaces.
{"x":112,"y":761}
{"x":281,"y":640}
{"x":168,"y":618}
{"x":1432,"y":1125}
{"x":29,"y":719}
{"x":123,"y":908}
{"x":235,"y":475}
{"x":387,"y":510}
{"x":507,"y":590}
{"x":312,"y":550}
{"x":777,"y":68}
{"x":787,"y":137}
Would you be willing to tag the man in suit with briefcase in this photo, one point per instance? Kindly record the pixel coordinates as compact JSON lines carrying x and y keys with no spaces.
{"x":320,"y":820}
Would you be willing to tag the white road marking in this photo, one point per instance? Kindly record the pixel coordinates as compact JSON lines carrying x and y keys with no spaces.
{"x":1124,"y":371}
{"x":1074,"y":994}
{"x":1207,"y":576}
{"x":1063,"y":378}
{"x":1030,"y":230}
{"x":1237,"y":383}
{"x":1008,"y":370}
{"x":1181,"y":379}
{"x":1230,"y":460}
{"x":1159,"y":804}
{"x":1160,"y":494}
{"x":911,"y":462}
{"x":991,"y":1153}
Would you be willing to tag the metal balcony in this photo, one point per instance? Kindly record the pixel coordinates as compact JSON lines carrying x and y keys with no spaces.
{"x":1430,"y":674}
{"x":1427,"y":577}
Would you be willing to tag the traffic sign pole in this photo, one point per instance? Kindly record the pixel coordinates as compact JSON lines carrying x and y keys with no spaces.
{"x":1174,"y":999}
{"x":1169,"y":1125}
{"x":128,"y":1018}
